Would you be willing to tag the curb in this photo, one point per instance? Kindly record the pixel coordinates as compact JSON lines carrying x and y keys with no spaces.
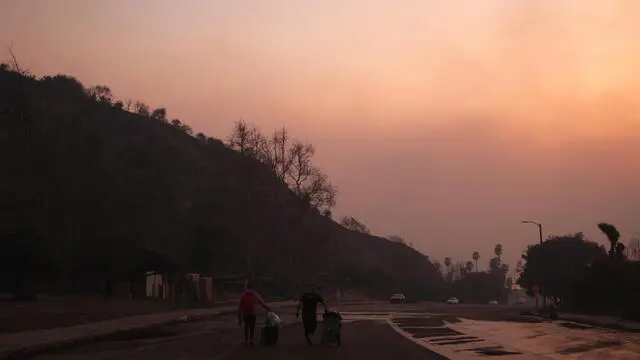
{"x":26,"y":351}
{"x":581,"y":322}
{"x":603,"y":326}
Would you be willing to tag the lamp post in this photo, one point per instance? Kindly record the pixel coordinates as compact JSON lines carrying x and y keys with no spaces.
{"x":539,"y":225}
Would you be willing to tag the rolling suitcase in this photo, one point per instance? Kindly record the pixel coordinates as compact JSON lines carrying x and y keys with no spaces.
{"x":269,"y":335}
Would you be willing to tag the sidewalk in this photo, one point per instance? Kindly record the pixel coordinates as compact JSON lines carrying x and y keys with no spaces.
{"x":602,"y":321}
{"x":17,"y":345}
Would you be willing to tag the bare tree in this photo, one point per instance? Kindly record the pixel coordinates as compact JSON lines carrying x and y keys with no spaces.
{"x":248,"y":140}
{"x":17,"y":101}
{"x":290,"y":160}
{"x":181,"y":126}
{"x":141,"y":108}
{"x":159,"y":114}
{"x":14,"y":65}
{"x":101,"y":93}
{"x":281,"y":155}
{"x":127,"y":104}
{"x":352,"y":223}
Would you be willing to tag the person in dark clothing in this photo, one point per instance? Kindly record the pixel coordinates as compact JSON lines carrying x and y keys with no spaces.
{"x":309,"y":305}
{"x":247,"y":312}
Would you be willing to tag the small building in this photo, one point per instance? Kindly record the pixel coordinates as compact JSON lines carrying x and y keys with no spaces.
{"x":154,"y":285}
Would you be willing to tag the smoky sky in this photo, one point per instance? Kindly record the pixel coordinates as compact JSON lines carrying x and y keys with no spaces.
{"x":446,"y":123}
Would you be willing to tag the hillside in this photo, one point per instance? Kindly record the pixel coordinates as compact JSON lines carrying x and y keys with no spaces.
{"x":91,"y":191}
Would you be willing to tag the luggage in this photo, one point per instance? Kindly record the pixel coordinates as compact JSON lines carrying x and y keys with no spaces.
{"x":269,"y":335}
{"x":273,"y":319}
{"x":331,"y":328}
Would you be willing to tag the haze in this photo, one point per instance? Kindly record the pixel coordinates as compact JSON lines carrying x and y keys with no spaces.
{"x":444,"y":122}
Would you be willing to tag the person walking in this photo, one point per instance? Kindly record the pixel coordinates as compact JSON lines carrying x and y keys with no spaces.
{"x":247,"y":311}
{"x":309,"y":305}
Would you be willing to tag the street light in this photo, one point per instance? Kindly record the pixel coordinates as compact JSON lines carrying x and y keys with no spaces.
{"x":537,"y":224}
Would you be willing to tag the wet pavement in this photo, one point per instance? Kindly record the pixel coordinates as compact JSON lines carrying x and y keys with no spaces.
{"x":379,"y":331}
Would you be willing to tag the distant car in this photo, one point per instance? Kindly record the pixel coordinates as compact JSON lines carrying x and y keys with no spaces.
{"x":397,"y":299}
{"x":453,"y":301}
{"x":521,"y":301}
{"x":493,"y":302}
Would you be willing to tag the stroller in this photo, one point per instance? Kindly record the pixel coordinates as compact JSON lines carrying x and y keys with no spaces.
{"x":331,"y":327}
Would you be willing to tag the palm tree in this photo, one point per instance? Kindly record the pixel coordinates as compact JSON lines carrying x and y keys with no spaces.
{"x":476,"y":257}
{"x":612,"y":234}
{"x":498,"y":250}
{"x":447,"y":266}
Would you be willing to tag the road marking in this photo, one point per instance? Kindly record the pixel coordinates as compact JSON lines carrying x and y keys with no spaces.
{"x":450,"y":342}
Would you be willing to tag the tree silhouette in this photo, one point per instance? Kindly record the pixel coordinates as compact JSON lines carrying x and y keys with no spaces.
{"x":498,"y":250}
{"x":562,"y":260}
{"x":469,"y":267}
{"x":141,"y":108}
{"x":476,"y":257}
{"x":101,"y":93}
{"x":139,"y":177}
{"x":291,"y":160}
{"x":353,"y":224}
{"x":159,"y":114}
{"x":612,"y":234}
{"x":448,"y":269}
{"x":494,"y":264}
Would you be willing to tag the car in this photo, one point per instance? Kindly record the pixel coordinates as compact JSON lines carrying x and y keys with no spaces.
{"x":521,"y":301}
{"x":453,"y":301}
{"x":493,"y":302}
{"x":397,"y":299}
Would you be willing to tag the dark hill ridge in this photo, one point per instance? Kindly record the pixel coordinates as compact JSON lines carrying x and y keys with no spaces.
{"x":111,"y":193}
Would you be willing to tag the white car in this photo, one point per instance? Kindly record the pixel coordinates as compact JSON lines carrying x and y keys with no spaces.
{"x":397,"y":299}
{"x":493,"y":302}
{"x":453,"y":301}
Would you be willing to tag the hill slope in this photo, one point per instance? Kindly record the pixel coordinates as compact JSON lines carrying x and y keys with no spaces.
{"x":99,"y":192}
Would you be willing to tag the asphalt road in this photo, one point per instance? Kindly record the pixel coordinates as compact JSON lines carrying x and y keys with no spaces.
{"x":376,"y":332}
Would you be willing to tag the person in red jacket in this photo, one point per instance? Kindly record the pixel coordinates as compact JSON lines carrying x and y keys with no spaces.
{"x":247,"y":312}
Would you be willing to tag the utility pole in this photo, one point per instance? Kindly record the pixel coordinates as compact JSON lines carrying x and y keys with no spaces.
{"x":537,"y":270}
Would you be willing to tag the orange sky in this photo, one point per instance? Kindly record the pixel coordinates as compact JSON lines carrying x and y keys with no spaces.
{"x":445,"y":122}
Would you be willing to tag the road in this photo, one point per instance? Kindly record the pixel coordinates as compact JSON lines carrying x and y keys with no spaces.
{"x":377,"y":332}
